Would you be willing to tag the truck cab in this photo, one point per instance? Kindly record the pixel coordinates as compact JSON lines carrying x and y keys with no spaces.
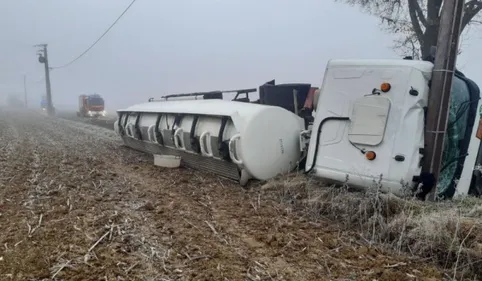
{"x":370,"y":122}
{"x":91,"y":106}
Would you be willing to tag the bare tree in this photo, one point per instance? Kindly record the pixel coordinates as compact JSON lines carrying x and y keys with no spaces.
{"x":415,"y":22}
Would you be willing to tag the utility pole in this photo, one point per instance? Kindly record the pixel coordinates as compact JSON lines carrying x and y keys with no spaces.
{"x":43,"y":58}
{"x":439,"y":96}
{"x":25,"y":89}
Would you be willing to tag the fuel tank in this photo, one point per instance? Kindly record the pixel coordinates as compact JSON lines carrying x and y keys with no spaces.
{"x":237,"y":140}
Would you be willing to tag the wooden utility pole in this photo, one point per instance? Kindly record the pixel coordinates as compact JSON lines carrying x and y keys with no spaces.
{"x":439,"y":96}
{"x":25,"y":89}
{"x":43,"y":58}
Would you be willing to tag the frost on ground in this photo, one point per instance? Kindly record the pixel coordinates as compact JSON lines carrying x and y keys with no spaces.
{"x":77,"y":205}
{"x":446,"y":233}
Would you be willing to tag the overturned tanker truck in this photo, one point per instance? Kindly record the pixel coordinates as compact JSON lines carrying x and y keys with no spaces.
{"x":364,"y":124}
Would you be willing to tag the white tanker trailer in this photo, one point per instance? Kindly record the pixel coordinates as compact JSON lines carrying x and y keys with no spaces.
{"x":221,"y":136}
{"x":368,"y":125}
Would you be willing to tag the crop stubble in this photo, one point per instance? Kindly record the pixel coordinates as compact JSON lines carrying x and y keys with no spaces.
{"x":77,"y":205}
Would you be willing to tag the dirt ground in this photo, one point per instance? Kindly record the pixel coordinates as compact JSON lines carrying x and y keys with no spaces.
{"x":77,"y":205}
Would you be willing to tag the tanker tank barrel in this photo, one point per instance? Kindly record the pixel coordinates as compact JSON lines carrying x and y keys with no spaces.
{"x":225,"y":137}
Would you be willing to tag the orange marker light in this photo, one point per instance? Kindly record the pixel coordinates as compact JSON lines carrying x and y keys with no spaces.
{"x":370,"y":155}
{"x":385,"y":87}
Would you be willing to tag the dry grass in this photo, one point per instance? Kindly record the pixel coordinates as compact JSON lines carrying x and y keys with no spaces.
{"x":447,"y":233}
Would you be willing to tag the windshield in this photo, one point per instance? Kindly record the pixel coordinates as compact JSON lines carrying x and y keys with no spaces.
{"x":456,"y":127}
{"x":95,"y":101}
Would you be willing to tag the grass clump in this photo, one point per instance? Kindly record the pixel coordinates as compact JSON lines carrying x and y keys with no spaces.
{"x":448,"y":233}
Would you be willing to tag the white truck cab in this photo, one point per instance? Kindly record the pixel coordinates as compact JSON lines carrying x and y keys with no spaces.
{"x":369,"y":126}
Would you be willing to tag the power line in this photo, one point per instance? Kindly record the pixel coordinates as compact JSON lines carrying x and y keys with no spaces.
{"x":88,"y":49}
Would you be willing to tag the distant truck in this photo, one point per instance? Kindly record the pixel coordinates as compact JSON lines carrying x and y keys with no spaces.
{"x":91,"y":106}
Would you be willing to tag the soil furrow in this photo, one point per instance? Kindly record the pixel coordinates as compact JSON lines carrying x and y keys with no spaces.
{"x":83,"y":207}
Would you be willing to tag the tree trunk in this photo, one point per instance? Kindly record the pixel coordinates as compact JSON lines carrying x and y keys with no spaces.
{"x":429,"y":40}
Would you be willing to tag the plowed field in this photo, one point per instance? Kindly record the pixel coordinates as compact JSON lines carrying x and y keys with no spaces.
{"x":77,"y":205}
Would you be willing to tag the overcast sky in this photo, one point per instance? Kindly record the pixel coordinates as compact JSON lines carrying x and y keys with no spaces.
{"x":162,"y":46}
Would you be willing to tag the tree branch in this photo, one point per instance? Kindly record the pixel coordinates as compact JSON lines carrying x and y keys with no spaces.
{"x":419,"y":11}
{"x":415,"y":22}
{"x":413,"y":17}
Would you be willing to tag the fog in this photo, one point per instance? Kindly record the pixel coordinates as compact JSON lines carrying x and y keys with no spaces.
{"x":161,"y":47}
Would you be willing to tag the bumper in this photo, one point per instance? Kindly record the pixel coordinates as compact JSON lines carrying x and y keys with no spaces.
{"x":96,"y":113}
